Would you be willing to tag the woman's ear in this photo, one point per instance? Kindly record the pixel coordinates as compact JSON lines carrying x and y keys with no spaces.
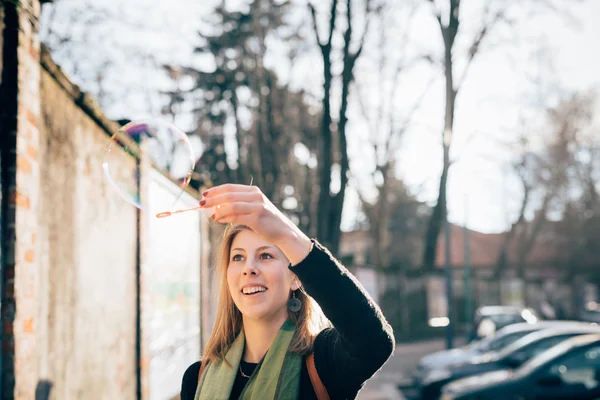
{"x":296,"y":284}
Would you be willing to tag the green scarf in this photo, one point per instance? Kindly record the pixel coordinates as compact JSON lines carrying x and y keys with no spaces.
{"x":276,"y":377}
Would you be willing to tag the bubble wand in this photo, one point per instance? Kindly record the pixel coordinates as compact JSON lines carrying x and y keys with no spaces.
{"x":169,"y":213}
{"x":166,"y":214}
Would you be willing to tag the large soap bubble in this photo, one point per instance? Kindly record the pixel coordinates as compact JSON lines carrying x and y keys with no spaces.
{"x":157,"y":143}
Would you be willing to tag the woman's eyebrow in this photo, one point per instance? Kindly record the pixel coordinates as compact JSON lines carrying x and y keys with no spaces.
{"x":261,"y":248}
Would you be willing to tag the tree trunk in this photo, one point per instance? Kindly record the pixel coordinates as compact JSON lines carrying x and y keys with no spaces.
{"x":439,"y":213}
{"x":270,"y":156}
{"x":242,"y":168}
{"x":337,"y":202}
{"x":527,"y":241}
{"x":325,"y":156}
{"x":502,"y":261}
{"x":434,"y":225}
{"x":325,"y":159}
{"x":381,"y":232}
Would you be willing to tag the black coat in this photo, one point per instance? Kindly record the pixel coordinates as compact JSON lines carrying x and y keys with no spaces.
{"x":346,"y":355}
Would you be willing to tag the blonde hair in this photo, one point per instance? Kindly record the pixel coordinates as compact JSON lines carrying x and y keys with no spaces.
{"x":309,"y":321}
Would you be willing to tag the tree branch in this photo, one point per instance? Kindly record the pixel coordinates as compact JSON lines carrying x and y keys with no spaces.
{"x":406,"y":123}
{"x":437,"y":14}
{"x":366,"y":29}
{"x":365,"y":114}
{"x":332,"y":18}
{"x":313,"y":14}
{"x":474,"y":49}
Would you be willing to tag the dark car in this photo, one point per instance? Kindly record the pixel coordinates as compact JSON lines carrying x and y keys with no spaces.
{"x":499,"y":341}
{"x":569,"y":370}
{"x":500,"y":316}
{"x":510,"y":358}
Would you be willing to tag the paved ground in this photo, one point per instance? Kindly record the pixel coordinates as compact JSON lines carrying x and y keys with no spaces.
{"x":398,"y":370}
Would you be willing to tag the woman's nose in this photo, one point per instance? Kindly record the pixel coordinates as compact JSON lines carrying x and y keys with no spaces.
{"x":249,"y":269}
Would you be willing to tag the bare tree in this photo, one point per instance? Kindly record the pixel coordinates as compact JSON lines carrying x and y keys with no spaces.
{"x":521,"y":168}
{"x":577,"y":147}
{"x":65,"y":39}
{"x":387,"y":123}
{"x":449,"y":21}
{"x":558,"y":175}
{"x":335,"y":153}
{"x":89,"y":40}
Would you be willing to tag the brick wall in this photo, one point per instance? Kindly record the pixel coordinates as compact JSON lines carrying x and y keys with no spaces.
{"x":19,"y":184}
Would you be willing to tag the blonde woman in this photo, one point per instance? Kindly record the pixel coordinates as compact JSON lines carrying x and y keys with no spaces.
{"x":292,"y":322}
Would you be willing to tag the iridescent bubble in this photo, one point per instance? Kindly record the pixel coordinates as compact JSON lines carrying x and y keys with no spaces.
{"x":159,"y":149}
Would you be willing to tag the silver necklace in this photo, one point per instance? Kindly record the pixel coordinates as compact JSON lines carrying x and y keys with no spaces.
{"x":242,"y":372}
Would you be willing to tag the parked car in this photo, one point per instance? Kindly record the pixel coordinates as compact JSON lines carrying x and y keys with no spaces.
{"x":509,"y":358}
{"x":500,"y":340}
{"x":569,"y":370}
{"x":489,"y":319}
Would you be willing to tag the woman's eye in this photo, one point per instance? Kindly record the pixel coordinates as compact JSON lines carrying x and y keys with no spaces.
{"x":265,"y":256}
{"x":237,"y":257}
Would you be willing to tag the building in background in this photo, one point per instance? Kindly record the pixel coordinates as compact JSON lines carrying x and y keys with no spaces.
{"x":413,"y":297}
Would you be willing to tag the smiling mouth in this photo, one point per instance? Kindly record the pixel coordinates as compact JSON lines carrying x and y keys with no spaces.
{"x":251,"y":291}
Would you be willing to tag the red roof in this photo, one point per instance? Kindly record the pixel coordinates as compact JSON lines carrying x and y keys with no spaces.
{"x":485,"y":248}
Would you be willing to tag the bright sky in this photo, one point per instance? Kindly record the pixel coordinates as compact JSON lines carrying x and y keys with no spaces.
{"x":496,"y":90}
{"x":481,"y":188}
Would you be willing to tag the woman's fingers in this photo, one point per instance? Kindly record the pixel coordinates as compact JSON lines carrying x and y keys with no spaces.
{"x":231,"y":210}
{"x":230,"y":197}
{"x":230,"y":188}
{"x":237,"y":219}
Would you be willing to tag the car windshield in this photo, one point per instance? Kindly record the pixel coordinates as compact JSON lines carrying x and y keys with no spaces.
{"x":545,"y":357}
{"x":500,"y":342}
{"x":502,"y":320}
{"x":531,"y":340}
{"x":551,"y":354}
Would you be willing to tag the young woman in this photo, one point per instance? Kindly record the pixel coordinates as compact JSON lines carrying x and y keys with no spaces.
{"x":276,"y":284}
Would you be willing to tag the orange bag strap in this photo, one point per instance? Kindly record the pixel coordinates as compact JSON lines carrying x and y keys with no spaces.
{"x":202,"y":366}
{"x":317,"y":384}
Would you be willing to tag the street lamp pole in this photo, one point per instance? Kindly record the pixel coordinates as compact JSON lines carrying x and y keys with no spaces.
{"x":448,"y":270}
{"x":467,"y":268}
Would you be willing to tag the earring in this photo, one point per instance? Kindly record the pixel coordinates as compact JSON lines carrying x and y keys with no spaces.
{"x":294,"y":304}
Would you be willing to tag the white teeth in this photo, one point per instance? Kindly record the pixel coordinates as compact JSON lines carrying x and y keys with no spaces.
{"x":253,"y":289}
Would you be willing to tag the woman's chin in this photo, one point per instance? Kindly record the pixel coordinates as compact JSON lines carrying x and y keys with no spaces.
{"x":262,"y":312}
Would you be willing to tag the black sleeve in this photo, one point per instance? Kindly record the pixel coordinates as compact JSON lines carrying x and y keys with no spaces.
{"x":189,"y":383}
{"x":361,"y":339}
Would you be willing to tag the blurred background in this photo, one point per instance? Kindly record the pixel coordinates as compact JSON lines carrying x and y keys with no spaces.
{"x":444,"y":150}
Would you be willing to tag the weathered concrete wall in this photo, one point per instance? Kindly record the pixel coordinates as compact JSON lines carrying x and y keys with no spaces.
{"x":87,"y":238}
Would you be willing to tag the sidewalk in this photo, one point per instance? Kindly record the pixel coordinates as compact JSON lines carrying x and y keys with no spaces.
{"x":384,"y":392}
{"x":398,"y":370}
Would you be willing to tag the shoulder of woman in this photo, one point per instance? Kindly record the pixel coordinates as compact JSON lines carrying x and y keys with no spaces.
{"x":191,"y":373}
{"x":327,"y":337}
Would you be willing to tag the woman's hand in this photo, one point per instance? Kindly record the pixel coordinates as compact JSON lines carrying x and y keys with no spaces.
{"x":247,"y":205}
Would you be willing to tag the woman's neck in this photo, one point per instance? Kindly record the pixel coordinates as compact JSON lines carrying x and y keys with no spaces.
{"x":259,"y":336}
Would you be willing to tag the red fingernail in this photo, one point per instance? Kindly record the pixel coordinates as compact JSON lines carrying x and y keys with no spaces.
{"x":205,"y":193}
{"x":202,"y":202}
{"x":213,"y":217}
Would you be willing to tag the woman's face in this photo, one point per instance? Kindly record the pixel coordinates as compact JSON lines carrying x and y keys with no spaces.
{"x":258,"y":277}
